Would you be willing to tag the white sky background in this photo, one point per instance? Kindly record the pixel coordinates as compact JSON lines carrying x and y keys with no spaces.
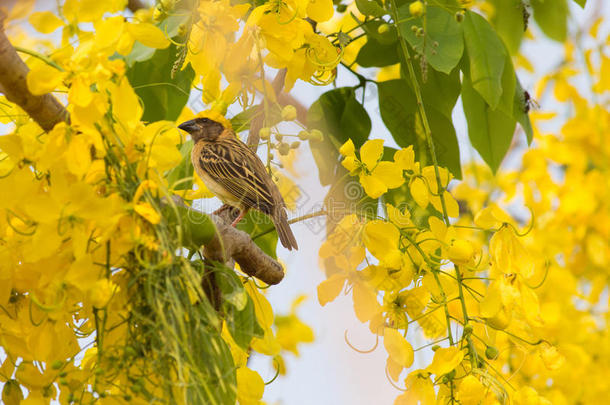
{"x":328,"y":370}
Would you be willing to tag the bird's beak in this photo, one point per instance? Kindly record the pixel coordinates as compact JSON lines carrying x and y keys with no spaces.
{"x":189,"y":126}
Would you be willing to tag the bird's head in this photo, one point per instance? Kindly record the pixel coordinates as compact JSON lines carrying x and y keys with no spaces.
{"x":202,"y":128}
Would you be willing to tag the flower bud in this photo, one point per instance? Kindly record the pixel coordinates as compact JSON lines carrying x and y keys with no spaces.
{"x":283,"y":148}
{"x":383,"y":28}
{"x":303,"y":135}
{"x":460,"y":252}
{"x":416,"y":8}
{"x":289,"y":113}
{"x":316,"y":135}
{"x":491,"y":353}
{"x":264,"y":133}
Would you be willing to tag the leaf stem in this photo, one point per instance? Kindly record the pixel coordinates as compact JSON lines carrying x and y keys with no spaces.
{"x":40,"y":56}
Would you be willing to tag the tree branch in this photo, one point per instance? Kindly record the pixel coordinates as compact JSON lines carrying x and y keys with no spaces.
{"x":227,"y":243}
{"x":231,"y":243}
{"x":45,"y":109}
{"x":135,"y":5}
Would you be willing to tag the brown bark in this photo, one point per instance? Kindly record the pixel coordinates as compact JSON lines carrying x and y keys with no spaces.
{"x":44,"y":109}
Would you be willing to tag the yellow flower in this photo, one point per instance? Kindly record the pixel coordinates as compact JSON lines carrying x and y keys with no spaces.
{"x":381,"y":238}
{"x":398,"y":348}
{"x":376,"y":177}
{"x":508,"y":254}
{"x":250,"y":386}
{"x":445,"y":360}
{"x":101,"y":292}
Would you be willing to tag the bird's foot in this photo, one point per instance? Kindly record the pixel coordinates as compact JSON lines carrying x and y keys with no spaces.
{"x":239,"y":217}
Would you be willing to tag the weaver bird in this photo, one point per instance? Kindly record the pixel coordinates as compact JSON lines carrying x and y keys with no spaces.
{"x":236,"y":175}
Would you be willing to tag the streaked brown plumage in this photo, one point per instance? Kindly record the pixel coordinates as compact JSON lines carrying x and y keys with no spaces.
{"x":232,"y":171}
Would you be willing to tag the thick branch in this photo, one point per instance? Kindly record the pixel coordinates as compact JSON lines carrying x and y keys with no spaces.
{"x":45,"y":109}
{"x":226,"y":243}
{"x":135,"y":5}
{"x":231,"y":243}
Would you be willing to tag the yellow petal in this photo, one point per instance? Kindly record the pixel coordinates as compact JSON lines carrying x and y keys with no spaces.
{"x":149,"y":35}
{"x":389,"y":173}
{"x":551,"y":357}
{"x":80,"y":93}
{"x":350,"y":163}
{"x":394,"y":369}
{"x":373,"y":187}
{"x":45,"y":21}
{"x":453,"y":209}
{"x":491,"y":217}
{"x":405,"y":158}
{"x":419,"y":191}
{"x":262,"y":307}
{"x":43,"y":78}
{"x":471,"y":391}
{"x":330,"y":289}
{"x":491,"y":304}
{"x":79,"y":152}
{"x":320,"y":10}
{"x":381,"y":239}
{"x":398,"y":218}
{"x":419,"y":390}
{"x":101,"y":292}
{"x":348,"y":148}
{"x":250,"y":386}
{"x":125,"y":104}
{"x":366,"y":305}
{"x":445,"y":360}
{"x":371,"y":152}
{"x":108,"y":31}
{"x":399,"y":349}
{"x":148,"y":212}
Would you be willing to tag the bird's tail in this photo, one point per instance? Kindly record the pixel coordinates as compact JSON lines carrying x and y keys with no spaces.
{"x":280,"y":220}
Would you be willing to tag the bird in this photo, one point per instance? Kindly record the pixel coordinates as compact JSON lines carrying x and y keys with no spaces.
{"x":236,"y":175}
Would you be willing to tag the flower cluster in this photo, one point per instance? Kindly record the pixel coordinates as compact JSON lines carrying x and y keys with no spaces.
{"x":99,"y":299}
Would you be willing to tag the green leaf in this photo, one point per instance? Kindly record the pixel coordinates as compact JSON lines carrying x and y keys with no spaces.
{"x":401,"y":116}
{"x":442,"y":44}
{"x":196,"y":227}
{"x":486,"y":55}
{"x":231,"y":288}
{"x":183,"y":173}
{"x":163,"y":97}
{"x":254,"y":223}
{"x":238,"y":308}
{"x":490,"y":131}
{"x":241,"y":122}
{"x":508,"y":21}
{"x":370,"y":7}
{"x":377,"y":54}
{"x":340,"y":117}
{"x":509,"y":81}
{"x":519,"y":113}
{"x":581,"y":3}
{"x":243,"y":325}
{"x":552,"y":18}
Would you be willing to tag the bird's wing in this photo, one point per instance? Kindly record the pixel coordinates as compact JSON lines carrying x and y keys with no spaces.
{"x":231,"y":164}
